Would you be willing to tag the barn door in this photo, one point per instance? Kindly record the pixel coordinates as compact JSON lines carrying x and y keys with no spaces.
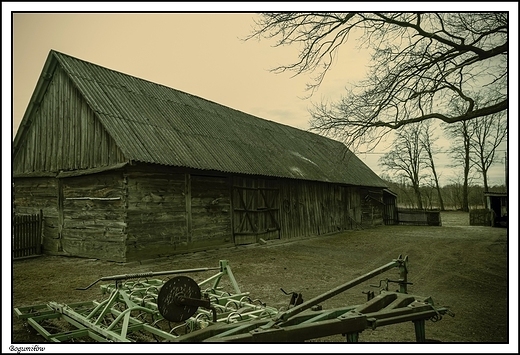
{"x":389,"y":209}
{"x":255,"y":211}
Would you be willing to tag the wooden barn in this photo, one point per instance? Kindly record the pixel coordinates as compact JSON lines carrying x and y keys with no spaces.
{"x":126,"y":169}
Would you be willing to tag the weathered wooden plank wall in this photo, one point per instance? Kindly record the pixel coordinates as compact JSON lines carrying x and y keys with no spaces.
{"x":156,"y":214}
{"x":372,"y":206}
{"x":390,"y":216}
{"x":419,"y":217}
{"x":172,"y":211}
{"x":481,"y":217}
{"x":34,"y":194}
{"x":298,"y":208}
{"x":64,"y":134}
{"x":313,"y":208}
{"x":27,"y":235}
{"x":210,"y":211}
{"x":256,"y":209}
{"x":94,"y":216}
{"x":138,"y":213}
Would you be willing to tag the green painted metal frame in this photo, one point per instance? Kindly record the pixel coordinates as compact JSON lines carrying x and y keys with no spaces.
{"x":239,"y":318}
{"x":102,"y":321}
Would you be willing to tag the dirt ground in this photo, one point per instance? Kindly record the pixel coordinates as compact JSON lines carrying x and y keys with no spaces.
{"x":461,"y":267}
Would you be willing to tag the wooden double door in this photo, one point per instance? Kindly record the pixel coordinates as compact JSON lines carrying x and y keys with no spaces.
{"x":256,"y":210}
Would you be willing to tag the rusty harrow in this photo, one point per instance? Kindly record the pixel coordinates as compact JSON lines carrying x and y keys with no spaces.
{"x":141,"y":308}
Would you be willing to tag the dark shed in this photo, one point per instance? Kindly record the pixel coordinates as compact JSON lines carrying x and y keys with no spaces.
{"x":126,"y":169}
{"x":497,"y":203}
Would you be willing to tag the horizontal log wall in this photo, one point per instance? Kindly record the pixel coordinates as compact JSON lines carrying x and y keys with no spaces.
{"x":157,"y":219}
{"x":94,"y":216}
{"x":171,"y":211}
{"x":210,"y":211}
{"x":146,"y":212}
{"x":34,"y":194}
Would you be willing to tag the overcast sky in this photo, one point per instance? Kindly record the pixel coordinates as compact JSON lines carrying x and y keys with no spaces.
{"x":202,"y":54}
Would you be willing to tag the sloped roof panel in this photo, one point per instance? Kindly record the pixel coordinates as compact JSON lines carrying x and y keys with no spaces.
{"x":153,"y":123}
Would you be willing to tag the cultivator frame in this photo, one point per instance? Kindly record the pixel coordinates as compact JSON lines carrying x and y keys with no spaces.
{"x":185,"y":311}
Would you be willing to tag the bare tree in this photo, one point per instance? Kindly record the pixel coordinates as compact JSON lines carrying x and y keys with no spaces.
{"x":460,"y":151}
{"x":421,"y":62}
{"x":405,"y":194}
{"x":406,"y":157}
{"x":487,"y":135}
{"x":453,"y":192}
{"x":428,"y":144}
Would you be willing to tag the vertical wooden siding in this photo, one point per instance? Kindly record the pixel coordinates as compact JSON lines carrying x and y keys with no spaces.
{"x":297,"y":208}
{"x":64,"y":134}
{"x":27,"y":235}
{"x":256,"y":209}
{"x":390,"y":216}
{"x":372,"y":205}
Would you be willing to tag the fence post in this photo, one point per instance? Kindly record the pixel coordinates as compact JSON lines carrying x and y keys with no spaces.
{"x":40,"y":233}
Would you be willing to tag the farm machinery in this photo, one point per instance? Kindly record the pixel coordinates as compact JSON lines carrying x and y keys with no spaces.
{"x":145,"y":308}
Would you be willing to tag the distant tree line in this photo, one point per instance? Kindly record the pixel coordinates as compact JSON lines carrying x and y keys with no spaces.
{"x":473,"y":150}
{"x":452,"y":195}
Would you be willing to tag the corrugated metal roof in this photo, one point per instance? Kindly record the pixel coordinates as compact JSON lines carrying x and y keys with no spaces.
{"x":153,"y":123}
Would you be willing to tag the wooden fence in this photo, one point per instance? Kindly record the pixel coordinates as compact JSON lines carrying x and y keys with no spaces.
{"x":481,"y":217}
{"x":27,"y":235}
{"x":419,"y":217}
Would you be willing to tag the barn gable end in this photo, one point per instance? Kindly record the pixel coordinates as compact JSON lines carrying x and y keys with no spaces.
{"x":62,"y":133}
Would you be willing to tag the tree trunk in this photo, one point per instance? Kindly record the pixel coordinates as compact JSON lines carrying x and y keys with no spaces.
{"x":484,"y":175}
{"x":441,"y":202}
{"x":418,"y":196}
{"x":465,"y":202}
